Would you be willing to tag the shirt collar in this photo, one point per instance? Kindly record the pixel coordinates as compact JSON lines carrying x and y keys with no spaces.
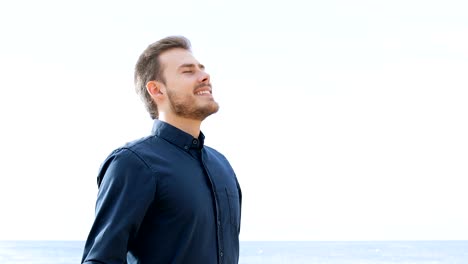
{"x":177,"y":136}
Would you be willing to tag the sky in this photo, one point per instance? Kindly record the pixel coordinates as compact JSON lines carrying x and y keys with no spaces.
{"x":344,"y":120}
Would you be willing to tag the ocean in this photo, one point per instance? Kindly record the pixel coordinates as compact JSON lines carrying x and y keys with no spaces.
{"x":368,"y":252}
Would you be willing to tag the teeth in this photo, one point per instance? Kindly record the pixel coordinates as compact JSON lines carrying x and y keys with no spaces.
{"x":203,"y":92}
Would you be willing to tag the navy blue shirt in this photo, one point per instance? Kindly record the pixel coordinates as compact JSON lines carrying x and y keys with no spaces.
{"x":165,"y":198}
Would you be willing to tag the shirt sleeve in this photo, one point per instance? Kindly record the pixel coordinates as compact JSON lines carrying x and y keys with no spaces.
{"x":127,"y":189}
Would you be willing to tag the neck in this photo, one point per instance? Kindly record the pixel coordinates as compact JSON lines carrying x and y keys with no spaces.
{"x":189,"y":126}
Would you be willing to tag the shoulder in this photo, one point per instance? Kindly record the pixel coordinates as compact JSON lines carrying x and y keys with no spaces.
{"x":132,"y":150}
{"x":126,"y":159}
{"x":140,"y":149}
{"x":213,"y":151}
{"x":215,"y":155}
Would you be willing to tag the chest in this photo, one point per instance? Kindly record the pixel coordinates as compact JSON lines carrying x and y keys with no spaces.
{"x":191,"y":187}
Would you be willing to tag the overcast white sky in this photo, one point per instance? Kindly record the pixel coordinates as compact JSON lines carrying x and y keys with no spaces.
{"x":344,"y":120}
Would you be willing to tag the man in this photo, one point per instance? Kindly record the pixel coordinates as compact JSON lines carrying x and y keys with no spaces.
{"x":167,"y":198}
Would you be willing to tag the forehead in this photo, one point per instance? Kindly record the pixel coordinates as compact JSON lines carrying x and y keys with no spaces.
{"x":172,"y":59}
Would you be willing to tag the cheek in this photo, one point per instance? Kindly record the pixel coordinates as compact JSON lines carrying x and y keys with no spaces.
{"x":180,"y":84}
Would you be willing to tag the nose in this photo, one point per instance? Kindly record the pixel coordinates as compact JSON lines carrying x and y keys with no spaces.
{"x":204,"y":77}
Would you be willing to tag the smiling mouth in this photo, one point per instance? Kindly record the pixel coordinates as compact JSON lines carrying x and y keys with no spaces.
{"x":203,"y":89}
{"x":203,"y":92}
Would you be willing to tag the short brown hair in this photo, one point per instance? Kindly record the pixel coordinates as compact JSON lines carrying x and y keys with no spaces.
{"x":148,"y":68}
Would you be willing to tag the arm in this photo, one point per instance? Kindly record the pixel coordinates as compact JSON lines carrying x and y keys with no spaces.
{"x":240,"y":203}
{"x":127,"y":188}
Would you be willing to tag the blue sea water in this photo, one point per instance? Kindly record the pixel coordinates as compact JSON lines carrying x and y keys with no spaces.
{"x":369,"y":252}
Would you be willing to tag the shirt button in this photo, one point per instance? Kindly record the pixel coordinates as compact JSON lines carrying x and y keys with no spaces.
{"x":195,"y":142}
{"x":219,"y":223}
{"x":185,"y":147}
{"x":221,"y":254}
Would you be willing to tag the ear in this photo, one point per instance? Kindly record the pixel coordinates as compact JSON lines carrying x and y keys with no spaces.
{"x":155,"y":89}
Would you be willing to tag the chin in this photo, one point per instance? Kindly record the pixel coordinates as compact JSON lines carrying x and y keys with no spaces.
{"x":206,"y":112}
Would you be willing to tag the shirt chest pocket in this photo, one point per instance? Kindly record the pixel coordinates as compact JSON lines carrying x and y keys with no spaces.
{"x":232,"y":204}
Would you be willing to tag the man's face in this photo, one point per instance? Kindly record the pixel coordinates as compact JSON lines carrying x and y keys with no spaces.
{"x":187,"y":85}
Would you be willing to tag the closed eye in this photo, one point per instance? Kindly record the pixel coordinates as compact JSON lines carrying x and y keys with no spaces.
{"x":190,"y":68}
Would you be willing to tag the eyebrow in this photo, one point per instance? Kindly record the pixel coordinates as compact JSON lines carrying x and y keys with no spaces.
{"x":192,"y":65}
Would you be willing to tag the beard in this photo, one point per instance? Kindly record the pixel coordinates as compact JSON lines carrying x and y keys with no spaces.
{"x":187,"y":107}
